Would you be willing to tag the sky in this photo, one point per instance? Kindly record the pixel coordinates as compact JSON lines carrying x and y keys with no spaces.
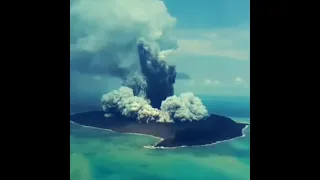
{"x":216,"y":34}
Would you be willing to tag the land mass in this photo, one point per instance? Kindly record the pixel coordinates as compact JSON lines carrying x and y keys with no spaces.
{"x":215,"y":128}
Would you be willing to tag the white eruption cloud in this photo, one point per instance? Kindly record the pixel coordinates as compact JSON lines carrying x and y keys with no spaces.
{"x":182,"y":108}
{"x":185,"y":107}
{"x":124,"y":102}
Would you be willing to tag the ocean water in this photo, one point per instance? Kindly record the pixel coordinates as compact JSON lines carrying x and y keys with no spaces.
{"x":103,"y":155}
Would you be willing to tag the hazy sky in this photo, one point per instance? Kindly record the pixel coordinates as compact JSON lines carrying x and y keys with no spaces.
{"x":216,"y":35}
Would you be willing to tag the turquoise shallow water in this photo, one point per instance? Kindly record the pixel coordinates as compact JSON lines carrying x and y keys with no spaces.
{"x":99,"y":154}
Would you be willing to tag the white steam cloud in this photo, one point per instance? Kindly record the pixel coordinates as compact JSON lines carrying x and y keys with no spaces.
{"x":182,"y":108}
{"x":185,"y":107}
{"x":123,"y":101}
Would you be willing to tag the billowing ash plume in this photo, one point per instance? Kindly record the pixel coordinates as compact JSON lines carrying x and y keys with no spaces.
{"x":125,"y":38}
{"x":130,"y":40}
{"x":160,"y":76}
{"x":182,"y":108}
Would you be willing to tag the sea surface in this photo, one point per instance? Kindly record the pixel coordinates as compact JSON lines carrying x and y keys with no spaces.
{"x":103,"y":155}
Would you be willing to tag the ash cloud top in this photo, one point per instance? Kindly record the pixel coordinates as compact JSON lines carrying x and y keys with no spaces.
{"x":104,"y":33}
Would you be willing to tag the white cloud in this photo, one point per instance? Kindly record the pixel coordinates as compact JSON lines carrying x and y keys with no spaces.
{"x":216,"y":82}
{"x":211,"y":82}
{"x":239,"y":80}
{"x":228,"y":42}
{"x":207,"y":81}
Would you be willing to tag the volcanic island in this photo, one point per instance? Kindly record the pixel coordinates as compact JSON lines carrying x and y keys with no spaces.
{"x":212,"y":130}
